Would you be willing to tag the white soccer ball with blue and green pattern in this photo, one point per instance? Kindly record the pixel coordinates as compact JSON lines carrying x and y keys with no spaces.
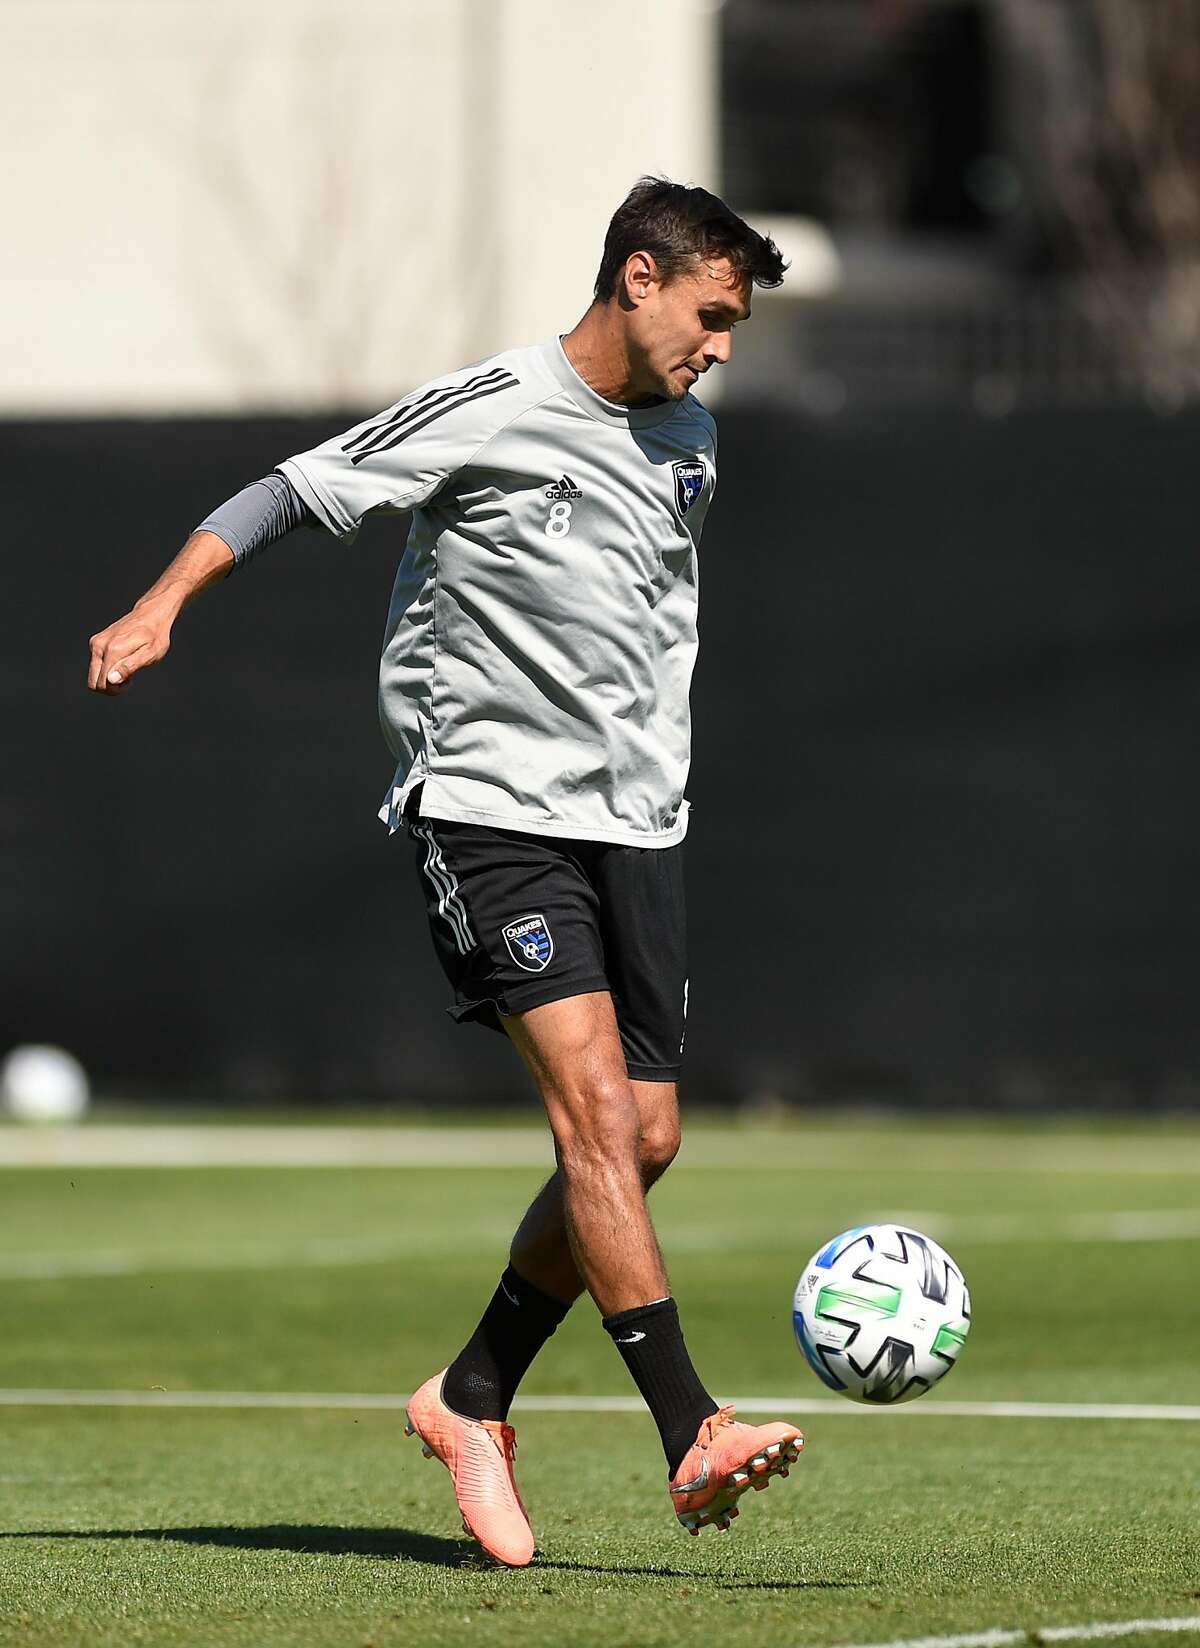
{"x":881,"y":1314}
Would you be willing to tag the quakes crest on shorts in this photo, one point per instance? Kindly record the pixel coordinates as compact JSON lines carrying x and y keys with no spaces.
{"x":690,"y":475}
{"x":529,"y":942}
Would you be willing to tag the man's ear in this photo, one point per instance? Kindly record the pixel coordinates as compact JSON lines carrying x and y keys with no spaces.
{"x":641,"y":274}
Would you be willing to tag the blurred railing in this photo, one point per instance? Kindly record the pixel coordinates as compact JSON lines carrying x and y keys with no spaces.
{"x":1056,"y":344}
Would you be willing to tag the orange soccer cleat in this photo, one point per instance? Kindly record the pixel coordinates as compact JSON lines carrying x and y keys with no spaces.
{"x":726,"y":1458}
{"x":478,"y":1453}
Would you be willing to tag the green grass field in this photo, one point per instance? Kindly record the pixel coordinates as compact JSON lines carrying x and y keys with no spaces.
{"x":152,"y":1525}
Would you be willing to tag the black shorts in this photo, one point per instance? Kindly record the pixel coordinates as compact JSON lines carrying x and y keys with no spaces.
{"x":519,"y":920}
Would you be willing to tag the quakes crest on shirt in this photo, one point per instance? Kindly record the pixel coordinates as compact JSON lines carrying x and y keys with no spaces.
{"x":690,"y":475}
{"x":529,"y":942}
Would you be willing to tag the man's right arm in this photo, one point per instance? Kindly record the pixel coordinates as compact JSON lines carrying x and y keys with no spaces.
{"x":260,"y":513}
{"x":143,"y":636}
{"x":394,"y":461}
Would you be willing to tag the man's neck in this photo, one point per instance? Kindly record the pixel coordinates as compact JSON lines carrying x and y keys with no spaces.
{"x":596,"y":349}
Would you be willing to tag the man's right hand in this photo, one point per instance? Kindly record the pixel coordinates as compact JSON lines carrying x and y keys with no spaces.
{"x":143,"y":636}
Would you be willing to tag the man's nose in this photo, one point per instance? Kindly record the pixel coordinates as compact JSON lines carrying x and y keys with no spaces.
{"x":719,"y":348}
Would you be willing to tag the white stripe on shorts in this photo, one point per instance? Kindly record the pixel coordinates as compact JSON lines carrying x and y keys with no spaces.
{"x":450,"y":905}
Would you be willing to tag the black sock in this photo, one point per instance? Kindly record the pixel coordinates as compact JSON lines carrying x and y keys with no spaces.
{"x":651,"y":1341}
{"x":481,"y":1381}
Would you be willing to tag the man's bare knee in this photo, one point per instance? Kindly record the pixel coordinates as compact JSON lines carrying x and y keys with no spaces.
{"x":658,"y":1136}
{"x":658,"y":1146}
{"x":597,"y":1123}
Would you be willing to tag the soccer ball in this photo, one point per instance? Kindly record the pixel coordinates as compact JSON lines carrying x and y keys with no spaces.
{"x":881,"y":1313}
{"x":43,"y":1084}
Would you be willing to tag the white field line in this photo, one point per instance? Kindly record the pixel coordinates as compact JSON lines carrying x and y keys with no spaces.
{"x":585,"y":1404}
{"x":302,"y":1255}
{"x":1138,"y":1225}
{"x":313,"y":1253}
{"x":253,"y":1146}
{"x":135,"y":1145}
{"x":1037,"y":1634}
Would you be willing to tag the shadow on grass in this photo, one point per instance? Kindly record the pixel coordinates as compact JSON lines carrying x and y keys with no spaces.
{"x":287,"y":1536}
{"x":709,"y":1581}
{"x":404,"y":1543}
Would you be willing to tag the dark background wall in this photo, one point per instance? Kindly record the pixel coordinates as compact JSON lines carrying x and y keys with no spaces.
{"x":945,"y":785}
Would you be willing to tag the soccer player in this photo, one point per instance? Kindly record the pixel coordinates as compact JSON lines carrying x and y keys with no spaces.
{"x":534,"y":692}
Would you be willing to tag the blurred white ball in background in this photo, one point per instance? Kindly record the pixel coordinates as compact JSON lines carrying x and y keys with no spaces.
{"x":43,"y":1084}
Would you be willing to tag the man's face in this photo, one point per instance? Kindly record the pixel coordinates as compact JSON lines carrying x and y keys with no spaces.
{"x":679,"y":329}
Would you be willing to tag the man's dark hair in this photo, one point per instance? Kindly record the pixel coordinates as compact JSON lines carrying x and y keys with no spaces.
{"x":678,"y":225}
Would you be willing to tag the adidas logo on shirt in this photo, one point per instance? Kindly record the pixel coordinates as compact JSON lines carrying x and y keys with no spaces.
{"x":562,"y":491}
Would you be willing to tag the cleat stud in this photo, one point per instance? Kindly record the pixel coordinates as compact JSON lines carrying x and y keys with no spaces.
{"x":758,"y":1463}
{"x":772,"y":1449}
{"x":740,"y":1476}
{"x":409,"y":1427}
{"x":427,"y":1450}
{"x":733,"y":1511}
{"x":783,"y":1470}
